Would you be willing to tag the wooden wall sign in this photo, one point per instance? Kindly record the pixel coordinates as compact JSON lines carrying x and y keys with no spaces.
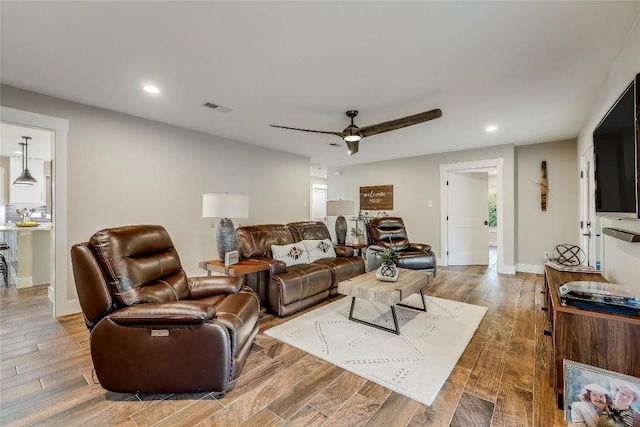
{"x":543,"y":186}
{"x":379,"y":197}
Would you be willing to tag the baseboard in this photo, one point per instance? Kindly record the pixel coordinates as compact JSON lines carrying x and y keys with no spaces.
{"x":530,"y":268}
{"x":24,"y":282}
{"x":51,"y":293}
{"x":507,"y":269}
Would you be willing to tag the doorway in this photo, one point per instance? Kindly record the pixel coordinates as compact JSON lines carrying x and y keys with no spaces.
{"x":59,"y":284}
{"x":319,"y":203}
{"x":486,"y":166}
{"x":468,"y":218}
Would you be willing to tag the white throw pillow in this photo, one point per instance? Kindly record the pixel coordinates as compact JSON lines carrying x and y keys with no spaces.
{"x":319,"y":249}
{"x":292,"y":254}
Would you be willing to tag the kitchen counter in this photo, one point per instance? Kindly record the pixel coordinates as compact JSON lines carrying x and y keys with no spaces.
{"x":29,"y":254}
{"x":45,"y":226}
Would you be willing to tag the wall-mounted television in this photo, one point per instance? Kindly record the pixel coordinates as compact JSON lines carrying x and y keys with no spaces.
{"x":615,"y":142}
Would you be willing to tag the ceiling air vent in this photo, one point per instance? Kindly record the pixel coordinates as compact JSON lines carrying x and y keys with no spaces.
{"x":217,"y":107}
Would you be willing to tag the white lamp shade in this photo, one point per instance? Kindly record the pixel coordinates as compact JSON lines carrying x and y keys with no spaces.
{"x":340,"y":207}
{"x":225,"y":206}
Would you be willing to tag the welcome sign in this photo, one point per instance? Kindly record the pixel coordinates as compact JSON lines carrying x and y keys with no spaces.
{"x":379,"y":197}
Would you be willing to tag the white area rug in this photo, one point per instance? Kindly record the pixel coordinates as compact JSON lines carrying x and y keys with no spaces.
{"x":416,"y":363}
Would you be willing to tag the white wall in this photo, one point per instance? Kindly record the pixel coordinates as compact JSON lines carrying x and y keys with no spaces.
{"x":538,"y":231}
{"x":621,"y":259}
{"x":127,"y":170}
{"x":416,"y":181}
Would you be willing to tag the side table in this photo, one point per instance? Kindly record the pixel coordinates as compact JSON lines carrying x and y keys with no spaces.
{"x":357,"y":246}
{"x":255,"y":272}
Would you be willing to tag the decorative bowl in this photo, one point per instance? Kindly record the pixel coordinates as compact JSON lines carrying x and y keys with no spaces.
{"x":27,"y":224}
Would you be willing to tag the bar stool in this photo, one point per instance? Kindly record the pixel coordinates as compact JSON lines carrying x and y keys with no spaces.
{"x":4,"y":268}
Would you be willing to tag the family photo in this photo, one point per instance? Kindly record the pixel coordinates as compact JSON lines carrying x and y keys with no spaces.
{"x":596,"y":397}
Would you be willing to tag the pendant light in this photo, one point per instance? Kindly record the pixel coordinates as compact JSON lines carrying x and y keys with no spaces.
{"x":25,"y":177}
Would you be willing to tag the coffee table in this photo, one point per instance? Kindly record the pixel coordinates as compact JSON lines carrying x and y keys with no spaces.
{"x":366,"y":286}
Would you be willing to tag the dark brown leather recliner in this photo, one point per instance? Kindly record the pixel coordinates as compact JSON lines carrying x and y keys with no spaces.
{"x":389,"y":232}
{"x":152,"y":329}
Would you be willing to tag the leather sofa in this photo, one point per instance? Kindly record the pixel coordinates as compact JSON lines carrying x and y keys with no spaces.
{"x":390,"y":232}
{"x":289,"y":289}
{"x":152,"y":329}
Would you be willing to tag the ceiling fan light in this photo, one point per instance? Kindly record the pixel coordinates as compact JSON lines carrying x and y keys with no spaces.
{"x":353,"y":146}
{"x":352,"y":138}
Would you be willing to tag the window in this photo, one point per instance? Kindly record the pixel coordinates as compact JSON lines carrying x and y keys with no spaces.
{"x":493,"y":207}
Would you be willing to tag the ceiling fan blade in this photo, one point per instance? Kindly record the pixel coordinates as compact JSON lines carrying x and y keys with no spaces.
{"x":308,"y":130}
{"x":400,"y":123}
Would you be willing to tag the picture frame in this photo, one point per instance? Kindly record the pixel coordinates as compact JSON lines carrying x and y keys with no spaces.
{"x":596,"y":397}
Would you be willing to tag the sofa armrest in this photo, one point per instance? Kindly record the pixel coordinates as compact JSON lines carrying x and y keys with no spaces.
{"x":166,"y":313}
{"x":275,"y":266}
{"x":418,"y":247}
{"x":344,"y":251}
{"x":207,"y":286}
{"x":373,"y":259}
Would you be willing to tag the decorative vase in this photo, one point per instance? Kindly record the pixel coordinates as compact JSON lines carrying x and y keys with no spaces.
{"x":341,"y":230}
{"x":388,"y":270}
{"x":387,"y":273}
{"x":225,"y":237}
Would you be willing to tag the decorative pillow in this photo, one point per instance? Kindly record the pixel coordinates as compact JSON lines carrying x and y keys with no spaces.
{"x":292,"y":254}
{"x":319,"y":249}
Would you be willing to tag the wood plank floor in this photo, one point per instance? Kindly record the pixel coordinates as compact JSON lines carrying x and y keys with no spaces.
{"x":500,"y":380}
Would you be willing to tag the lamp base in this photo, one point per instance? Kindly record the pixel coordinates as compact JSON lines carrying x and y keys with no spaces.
{"x":225,"y":237}
{"x":341,"y":230}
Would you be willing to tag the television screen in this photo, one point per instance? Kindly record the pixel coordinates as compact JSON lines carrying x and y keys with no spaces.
{"x":615,"y":146}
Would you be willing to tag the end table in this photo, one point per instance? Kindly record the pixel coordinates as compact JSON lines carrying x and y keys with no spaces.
{"x":255,"y":272}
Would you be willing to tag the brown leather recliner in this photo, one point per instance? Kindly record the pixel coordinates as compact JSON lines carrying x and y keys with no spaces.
{"x":390,"y":232}
{"x":152,"y":329}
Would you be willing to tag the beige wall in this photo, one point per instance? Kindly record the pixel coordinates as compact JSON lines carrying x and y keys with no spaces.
{"x":127,"y":170}
{"x":416,"y":181}
{"x":621,"y":259}
{"x":538,"y":231}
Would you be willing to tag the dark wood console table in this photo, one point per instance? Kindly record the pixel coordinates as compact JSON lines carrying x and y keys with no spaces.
{"x":605,"y":340}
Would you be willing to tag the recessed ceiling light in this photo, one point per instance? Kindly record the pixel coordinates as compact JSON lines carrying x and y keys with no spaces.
{"x":151,"y":89}
{"x":491,"y":128}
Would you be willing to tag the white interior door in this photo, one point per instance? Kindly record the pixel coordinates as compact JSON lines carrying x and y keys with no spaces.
{"x":319,"y":203}
{"x":468,"y":228}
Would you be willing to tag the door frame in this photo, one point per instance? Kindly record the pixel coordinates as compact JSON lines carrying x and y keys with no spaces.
{"x":588,"y":233}
{"x":60,"y":265}
{"x":472,"y":166}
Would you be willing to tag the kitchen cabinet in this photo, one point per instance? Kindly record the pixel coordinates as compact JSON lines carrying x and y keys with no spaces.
{"x":27,"y":194}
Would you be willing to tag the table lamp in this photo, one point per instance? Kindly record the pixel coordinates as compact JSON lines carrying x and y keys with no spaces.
{"x":225,"y":206}
{"x":339,"y":208}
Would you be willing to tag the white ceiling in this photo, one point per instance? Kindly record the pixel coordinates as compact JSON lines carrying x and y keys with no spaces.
{"x":531,"y":68}
{"x":39,"y":146}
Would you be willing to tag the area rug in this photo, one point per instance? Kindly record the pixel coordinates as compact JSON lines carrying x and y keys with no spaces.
{"x":415,"y":363}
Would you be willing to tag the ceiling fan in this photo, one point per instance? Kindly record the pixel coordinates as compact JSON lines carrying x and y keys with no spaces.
{"x":352,"y":134}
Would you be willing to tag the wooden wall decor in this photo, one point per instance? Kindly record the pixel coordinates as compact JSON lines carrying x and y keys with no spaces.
{"x":379,"y":197}
{"x":543,"y":186}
